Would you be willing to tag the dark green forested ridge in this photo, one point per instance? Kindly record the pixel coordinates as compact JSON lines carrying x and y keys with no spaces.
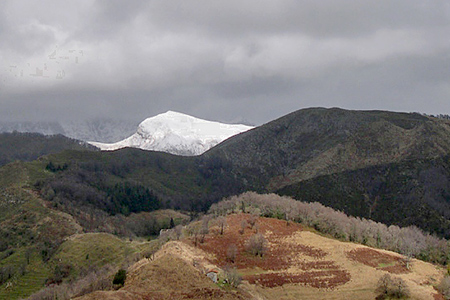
{"x":29,"y":146}
{"x":405,"y":193}
{"x":375,"y":164}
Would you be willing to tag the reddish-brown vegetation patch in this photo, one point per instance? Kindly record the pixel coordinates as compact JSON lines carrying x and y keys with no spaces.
{"x":438,"y":297}
{"x":381,"y":261}
{"x":319,"y":279}
{"x":279,"y":256}
{"x":206,"y":293}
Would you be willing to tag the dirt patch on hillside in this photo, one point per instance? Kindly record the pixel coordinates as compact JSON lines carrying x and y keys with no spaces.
{"x":379,"y":260}
{"x":283,"y":262}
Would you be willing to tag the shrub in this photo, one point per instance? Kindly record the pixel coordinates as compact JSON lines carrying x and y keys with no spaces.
{"x":389,"y":288}
{"x":120,"y":277}
{"x":256,"y":245}
{"x":232,"y":277}
{"x":444,"y":287}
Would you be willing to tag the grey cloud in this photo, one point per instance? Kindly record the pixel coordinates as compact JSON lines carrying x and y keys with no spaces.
{"x":229,"y":60}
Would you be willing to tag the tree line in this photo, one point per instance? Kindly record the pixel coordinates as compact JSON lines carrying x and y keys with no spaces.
{"x":410,"y":241}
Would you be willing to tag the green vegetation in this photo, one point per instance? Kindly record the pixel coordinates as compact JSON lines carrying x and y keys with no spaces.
{"x":30,"y":146}
{"x":387,"y":193}
{"x":120,"y":277}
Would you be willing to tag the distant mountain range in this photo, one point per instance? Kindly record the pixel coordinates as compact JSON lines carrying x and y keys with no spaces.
{"x":101,"y":130}
{"x":390,"y":167}
{"x":177,"y":133}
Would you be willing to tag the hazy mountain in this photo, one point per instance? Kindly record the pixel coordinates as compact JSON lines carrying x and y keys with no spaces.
{"x":177,"y":133}
{"x":29,"y":146}
{"x":101,"y":130}
{"x":47,"y":128}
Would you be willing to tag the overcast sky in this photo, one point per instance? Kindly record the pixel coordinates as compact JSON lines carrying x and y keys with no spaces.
{"x":231,"y":61}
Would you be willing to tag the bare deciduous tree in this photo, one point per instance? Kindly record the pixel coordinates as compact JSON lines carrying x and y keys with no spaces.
{"x":178,"y":231}
{"x":243,"y":226}
{"x":444,"y":287}
{"x":252,"y":220}
{"x":232,"y":252}
{"x":257,"y":245}
{"x":222,"y":222}
{"x":389,"y":288}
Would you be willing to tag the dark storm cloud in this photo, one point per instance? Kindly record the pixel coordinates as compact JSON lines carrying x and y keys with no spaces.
{"x":227,"y":60}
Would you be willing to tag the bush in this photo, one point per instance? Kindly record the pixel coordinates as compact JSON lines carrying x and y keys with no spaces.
{"x":120,"y":277}
{"x":389,"y":288}
{"x":444,"y":287}
{"x":256,"y":245}
{"x":232,"y":277}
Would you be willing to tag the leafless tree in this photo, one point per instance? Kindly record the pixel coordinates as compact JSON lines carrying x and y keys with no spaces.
{"x":252,"y":220}
{"x":257,"y":245}
{"x":389,"y":288}
{"x":232,"y":252}
{"x":243,"y":226}
{"x":222,"y":222}
{"x":178,"y":230}
{"x":444,"y":287}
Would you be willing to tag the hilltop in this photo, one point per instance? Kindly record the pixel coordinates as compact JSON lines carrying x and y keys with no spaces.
{"x":297,"y":264}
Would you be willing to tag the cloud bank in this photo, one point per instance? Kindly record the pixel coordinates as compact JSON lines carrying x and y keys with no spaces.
{"x":249,"y":61}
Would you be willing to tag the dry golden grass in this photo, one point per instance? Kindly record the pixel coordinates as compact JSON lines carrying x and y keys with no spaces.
{"x":167,"y":277}
{"x":178,"y":270}
{"x":364,"y":278}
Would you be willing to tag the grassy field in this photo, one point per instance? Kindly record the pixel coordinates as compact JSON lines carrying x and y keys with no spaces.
{"x":80,"y":253}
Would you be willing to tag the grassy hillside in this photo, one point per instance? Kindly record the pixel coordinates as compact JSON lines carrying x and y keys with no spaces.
{"x":296,"y":264}
{"x":35,"y":248}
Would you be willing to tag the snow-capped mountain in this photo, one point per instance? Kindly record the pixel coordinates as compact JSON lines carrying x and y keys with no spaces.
{"x":177,"y":133}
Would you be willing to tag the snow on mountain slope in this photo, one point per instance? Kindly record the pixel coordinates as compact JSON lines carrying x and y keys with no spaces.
{"x":177,"y":133}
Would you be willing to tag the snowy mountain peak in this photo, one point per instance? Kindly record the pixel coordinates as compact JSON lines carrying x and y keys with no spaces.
{"x":177,"y":133}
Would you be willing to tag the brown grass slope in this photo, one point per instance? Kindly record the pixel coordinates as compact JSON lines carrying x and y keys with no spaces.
{"x":297,"y":264}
